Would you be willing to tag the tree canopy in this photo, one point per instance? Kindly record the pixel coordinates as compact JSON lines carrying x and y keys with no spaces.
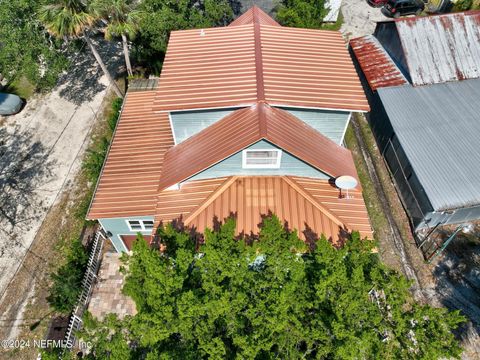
{"x":163,"y":16}
{"x":302,"y":13}
{"x":25,"y":49}
{"x":221,"y":297}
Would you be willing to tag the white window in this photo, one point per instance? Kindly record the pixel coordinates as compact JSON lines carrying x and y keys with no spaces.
{"x":140,"y":225}
{"x":261,"y":159}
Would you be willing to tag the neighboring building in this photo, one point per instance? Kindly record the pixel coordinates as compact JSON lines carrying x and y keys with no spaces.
{"x":422,"y":78}
{"x":244,"y":120}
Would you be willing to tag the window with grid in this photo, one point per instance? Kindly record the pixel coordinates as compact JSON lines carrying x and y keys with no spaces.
{"x":140,"y":225}
{"x":261,"y":159}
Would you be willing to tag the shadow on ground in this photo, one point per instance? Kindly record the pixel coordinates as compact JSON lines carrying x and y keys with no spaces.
{"x":23,"y":169}
{"x":80,"y":82}
{"x":458,"y":284}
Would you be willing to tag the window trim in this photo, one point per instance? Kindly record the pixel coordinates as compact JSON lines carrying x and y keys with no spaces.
{"x":261,"y":166}
{"x":142,"y":225}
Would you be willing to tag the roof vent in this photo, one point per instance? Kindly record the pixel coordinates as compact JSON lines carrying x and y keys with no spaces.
{"x":202,"y":32}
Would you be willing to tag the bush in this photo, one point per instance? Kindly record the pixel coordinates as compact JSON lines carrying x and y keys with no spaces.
{"x":95,"y":156}
{"x":67,"y":281}
{"x":462,"y":5}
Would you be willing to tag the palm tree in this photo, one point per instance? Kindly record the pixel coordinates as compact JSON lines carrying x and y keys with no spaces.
{"x":121,"y":20}
{"x":70,"y":19}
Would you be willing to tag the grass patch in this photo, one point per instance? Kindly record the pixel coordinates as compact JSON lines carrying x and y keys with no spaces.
{"x":21,"y":87}
{"x":374,"y":208}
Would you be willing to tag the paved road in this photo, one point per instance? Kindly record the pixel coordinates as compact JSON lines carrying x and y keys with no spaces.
{"x":40,"y":151}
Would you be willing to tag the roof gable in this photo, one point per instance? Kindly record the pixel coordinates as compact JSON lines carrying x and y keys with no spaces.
{"x":245,"y":63}
{"x":254,"y":15}
{"x":245,"y":127}
{"x":304,"y":203}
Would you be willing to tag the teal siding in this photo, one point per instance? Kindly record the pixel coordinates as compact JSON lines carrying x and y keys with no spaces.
{"x":188,"y":123}
{"x":118,"y":226}
{"x":329,"y":123}
{"x":290,"y":165}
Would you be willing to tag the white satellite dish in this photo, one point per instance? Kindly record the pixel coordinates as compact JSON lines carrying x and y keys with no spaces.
{"x":346,"y":182}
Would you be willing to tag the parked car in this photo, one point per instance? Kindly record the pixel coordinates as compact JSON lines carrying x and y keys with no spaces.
{"x":10,"y":104}
{"x":376,"y":3}
{"x":397,"y":8}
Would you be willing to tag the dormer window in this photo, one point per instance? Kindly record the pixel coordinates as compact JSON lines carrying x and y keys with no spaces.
{"x":261,"y":159}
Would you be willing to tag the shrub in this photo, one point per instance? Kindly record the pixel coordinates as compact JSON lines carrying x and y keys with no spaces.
{"x":67,"y":280}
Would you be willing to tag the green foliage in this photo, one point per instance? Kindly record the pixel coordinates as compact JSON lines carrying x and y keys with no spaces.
{"x":302,"y":13}
{"x":120,"y":15}
{"x":25,"y":49}
{"x":163,"y":16}
{"x":463,"y":5}
{"x":95,"y":156}
{"x":66,"y":286}
{"x":273,"y":297}
{"x":66,"y":18}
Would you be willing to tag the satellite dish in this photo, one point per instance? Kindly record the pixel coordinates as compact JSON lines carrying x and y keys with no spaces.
{"x":346,"y":182}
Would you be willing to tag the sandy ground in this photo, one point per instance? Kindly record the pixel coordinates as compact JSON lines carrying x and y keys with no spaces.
{"x":40,"y":153}
{"x":359,"y":18}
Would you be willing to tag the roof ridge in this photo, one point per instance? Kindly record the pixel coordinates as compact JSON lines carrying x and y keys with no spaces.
{"x":218,"y":191}
{"x":332,"y":216}
{"x":258,"y":56}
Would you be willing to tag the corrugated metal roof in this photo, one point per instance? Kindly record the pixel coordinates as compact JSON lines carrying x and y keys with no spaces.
{"x":129,"y":180}
{"x":238,"y":65}
{"x":377,"y":66}
{"x":251,"y":15}
{"x":441,"y":48}
{"x":299,"y":201}
{"x":247,"y":126}
{"x":438,"y":127}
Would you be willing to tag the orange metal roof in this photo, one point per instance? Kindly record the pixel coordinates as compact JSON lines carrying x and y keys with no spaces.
{"x":246,"y":126}
{"x":129,"y":180}
{"x":299,"y":201}
{"x":238,"y":65}
{"x":377,"y":66}
{"x":250,"y":16}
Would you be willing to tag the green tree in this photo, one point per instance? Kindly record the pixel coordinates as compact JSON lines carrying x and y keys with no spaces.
{"x":25,"y":49}
{"x":223,"y":297}
{"x":70,"y":19}
{"x":302,"y":13}
{"x":122,"y":20}
{"x":163,"y":16}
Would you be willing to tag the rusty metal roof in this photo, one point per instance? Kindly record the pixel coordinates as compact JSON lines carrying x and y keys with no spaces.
{"x":246,"y":126}
{"x":377,"y":66}
{"x":254,"y":14}
{"x":299,"y":201}
{"x":441,"y":48}
{"x":129,"y":180}
{"x":239,"y":65}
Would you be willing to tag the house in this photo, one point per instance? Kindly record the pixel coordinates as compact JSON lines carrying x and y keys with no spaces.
{"x":422,"y":78}
{"x":245,"y":119}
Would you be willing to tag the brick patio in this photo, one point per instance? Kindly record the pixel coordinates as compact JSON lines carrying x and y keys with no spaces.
{"x":106,"y":295}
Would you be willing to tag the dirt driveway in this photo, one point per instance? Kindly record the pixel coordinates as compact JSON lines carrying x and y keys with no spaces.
{"x":40,"y":153}
{"x":359,"y":18}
